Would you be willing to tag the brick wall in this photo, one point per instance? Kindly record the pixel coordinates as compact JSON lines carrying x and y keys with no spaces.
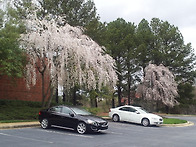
{"x":15,"y":89}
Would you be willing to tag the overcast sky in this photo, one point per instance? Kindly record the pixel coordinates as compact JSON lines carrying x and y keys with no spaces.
{"x":180,"y":13}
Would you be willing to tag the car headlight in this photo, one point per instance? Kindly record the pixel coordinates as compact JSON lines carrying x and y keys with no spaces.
{"x":92,"y":122}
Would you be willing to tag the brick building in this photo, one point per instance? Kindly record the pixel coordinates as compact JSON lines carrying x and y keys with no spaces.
{"x":16,"y":89}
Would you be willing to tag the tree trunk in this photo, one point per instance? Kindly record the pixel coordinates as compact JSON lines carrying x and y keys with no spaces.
{"x":64,"y":97}
{"x":50,"y":98}
{"x":167,"y":109}
{"x":96,"y":102}
{"x":43,"y":92}
{"x":129,"y":89}
{"x":57,"y":96}
{"x":113,"y":102}
{"x":74,"y":96}
{"x":119,"y":95}
{"x":91,"y":101}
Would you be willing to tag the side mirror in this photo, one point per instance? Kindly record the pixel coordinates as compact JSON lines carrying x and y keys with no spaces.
{"x":137,"y":112}
{"x":71,"y":114}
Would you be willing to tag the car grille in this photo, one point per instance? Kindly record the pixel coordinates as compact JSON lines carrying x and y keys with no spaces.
{"x":103,"y":124}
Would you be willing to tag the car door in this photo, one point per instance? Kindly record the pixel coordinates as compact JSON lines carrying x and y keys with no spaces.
{"x":68,"y":118}
{"x":55,"y":115}
{"x":125,"y":114}
{"x":134,"y":115}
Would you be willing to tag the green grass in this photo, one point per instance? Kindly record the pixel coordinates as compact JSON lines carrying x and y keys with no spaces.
{"x":173,"y":121}
{"x":15,"y":121}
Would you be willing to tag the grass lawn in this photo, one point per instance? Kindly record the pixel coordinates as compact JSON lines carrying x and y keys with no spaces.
{"x":173,"y":121}
{"x":15,"y":121}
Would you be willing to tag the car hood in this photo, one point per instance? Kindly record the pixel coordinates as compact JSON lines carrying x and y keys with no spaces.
{"x":91,"y":117}
{"x":153,"y":116}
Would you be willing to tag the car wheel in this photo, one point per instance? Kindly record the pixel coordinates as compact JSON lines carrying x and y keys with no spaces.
{"x":45,"y":123}
{"x":145,"y":122}
{"x":81,"y":128}
{"x":115,"y":118}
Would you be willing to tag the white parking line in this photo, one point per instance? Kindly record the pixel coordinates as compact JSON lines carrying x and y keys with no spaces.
{"x":117,"y":133}
{"x":26,"y":138}
{"x":77,"y":135}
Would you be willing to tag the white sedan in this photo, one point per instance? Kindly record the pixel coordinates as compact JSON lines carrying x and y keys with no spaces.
{"x":134,"y":114}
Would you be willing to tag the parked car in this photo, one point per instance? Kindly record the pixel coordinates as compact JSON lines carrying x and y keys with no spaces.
{"x":134,"y":114}
{"x":71,"y":117}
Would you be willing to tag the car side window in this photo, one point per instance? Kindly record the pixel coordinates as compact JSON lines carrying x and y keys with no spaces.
{"x":66,"y":110}
{"x":124,"y":109}
{"x":55,"y":109}
{"x":129,"y":109}
{"x":132,"y":109}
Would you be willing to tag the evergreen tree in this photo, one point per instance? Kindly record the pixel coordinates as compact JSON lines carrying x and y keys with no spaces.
{"x":120,"y":42}
{"x":76,"y":12}
{"x":169,"y":49}
{"x":114,"y":35}
{"x":144,"y":43}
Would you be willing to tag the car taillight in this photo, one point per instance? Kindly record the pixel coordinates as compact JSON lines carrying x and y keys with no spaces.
{"x":39,"y":113}
{"x":109,"y":110}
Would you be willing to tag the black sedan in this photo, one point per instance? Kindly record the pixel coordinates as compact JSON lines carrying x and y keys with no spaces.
{"x":71,"y":117}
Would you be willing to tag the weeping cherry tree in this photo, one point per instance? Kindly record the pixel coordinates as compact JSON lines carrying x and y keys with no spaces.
{"x":159,"y":85}
{"x":69,"y":56}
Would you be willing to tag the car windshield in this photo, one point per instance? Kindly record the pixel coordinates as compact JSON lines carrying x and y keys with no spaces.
{"x":81,"y":111}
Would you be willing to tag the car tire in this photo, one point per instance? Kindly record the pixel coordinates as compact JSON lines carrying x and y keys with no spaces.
{"x":145,"y":122}
{"x":115,"y":118}
{"x":81,"y":128}
{"x":45,"y":123}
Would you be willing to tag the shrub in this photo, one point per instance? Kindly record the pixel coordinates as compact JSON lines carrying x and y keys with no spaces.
{"x":94,"y":111}
{"x":13,"y":109}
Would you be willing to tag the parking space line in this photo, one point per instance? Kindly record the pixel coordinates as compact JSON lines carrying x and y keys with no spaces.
{"x":26,"y":138}
{"x":117,"y":133}
{"x":77,"y":135}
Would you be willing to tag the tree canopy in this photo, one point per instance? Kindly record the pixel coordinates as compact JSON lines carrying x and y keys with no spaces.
{"x":12,"y":58}
{"x":75,"y":12}
{"x":71,"y":56}
{"x":134,"y":47}
{"x":121,"y":42}
{"x":159,"y":85}
{"x":169,"y":49}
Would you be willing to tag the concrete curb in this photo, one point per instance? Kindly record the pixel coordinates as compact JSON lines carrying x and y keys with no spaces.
{"x":179,"y":125}
{"x":168,"y":125}
{"x":18,"y":125}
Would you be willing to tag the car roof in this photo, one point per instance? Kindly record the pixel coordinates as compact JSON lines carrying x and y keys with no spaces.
{"x":66,"y":106}
{"x":130,"y":106}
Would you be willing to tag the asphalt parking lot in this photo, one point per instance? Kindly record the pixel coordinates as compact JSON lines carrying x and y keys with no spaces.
{"x":118,"y":135}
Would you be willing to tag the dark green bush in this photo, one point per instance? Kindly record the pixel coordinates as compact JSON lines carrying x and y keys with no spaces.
{"x":93,"y":110}
{"x":19,"y":110}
